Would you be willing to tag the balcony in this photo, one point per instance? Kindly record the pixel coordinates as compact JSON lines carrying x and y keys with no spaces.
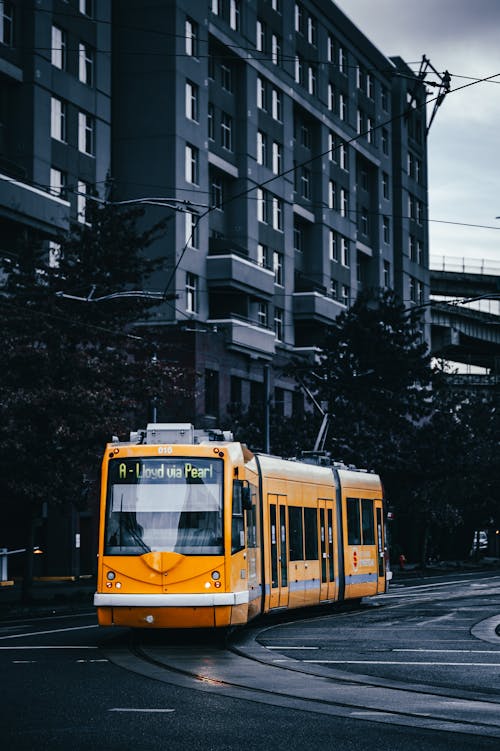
{"x":231,"y":268}
{"x":245,"y":336}
{"x":315,"y":306}
{"x":28,"y":205}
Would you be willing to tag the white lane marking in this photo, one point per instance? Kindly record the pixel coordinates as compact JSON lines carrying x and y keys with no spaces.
{"x":51,"y":631}
{"x":413,"y":664}
{"x":49,"y":646}
{"x":23,"y":662}
{"x":103,"y":660}
{"x":454,"y":651}
{"x":287,"y":648}
{"x":138,"y":709}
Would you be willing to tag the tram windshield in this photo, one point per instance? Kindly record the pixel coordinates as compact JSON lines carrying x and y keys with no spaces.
{"x":164,"y":504}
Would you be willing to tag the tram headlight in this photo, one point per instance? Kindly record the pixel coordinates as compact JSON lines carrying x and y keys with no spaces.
{"x":215,"y":575}
{"x":111,"y":575}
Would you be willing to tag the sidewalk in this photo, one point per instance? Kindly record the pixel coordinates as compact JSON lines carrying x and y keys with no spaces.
{"x":48,"y":596}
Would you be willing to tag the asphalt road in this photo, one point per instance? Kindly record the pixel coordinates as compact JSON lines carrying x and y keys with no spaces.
{"x":63,"y":686}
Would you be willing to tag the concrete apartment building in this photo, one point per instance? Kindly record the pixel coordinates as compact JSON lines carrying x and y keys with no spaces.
{"x":293,"y":149}
{"x":289,"y":151}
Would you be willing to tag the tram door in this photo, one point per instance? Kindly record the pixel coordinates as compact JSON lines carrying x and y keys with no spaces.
{"x":327,"y":550}
{"x":279,"y":551}
{"x":381,"y":586}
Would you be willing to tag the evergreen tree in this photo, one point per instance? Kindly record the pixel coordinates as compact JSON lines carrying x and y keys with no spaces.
{"x":74,"y":372}
{"x":374,"y":375}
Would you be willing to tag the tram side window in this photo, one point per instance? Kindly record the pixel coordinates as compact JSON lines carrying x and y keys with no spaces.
{"x":360,"y":522}
{"x":295,"y":533}
{"x":353,"y":522}
{"x":367,"y":522}
{"x":237,"y":523}
{"x":311,"y":530}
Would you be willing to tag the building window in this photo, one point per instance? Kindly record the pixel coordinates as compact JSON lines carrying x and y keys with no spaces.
{"x":58,"y":119}
{"x":262,"y":214}
{"x":370,"y":86}
{"x":344,"y":202}
{"x":385,"y":141}
{"x":279,"y":327}
{"x":277,"y":157}
{"x":212,"y":392}
{"x":305,"y":183}
{"x":332,"y":245}
{"x":343,"y":114}
{"x":344,"y":157}
{"x":299,"y":18}
{"x":217,"y":192}
{"x":364,"y":221}
{"x":86,"y":129}
{"x":297,"y":237}
{"x":276,"y":106}
{"x":299,"y":70}
{"x":387,"y":274}
{"x":7,"y":23}
{"x":192,"y":164}
{"x":346,"y":294}
{"x":345,"y":252}
{"x":331,"y":97}
{"x":311,"y":30}
{"x":311,"y":80}
{"x":191,"y":38}
{"x":385,"y":99}
{"x":360,"y":122}
{"x":236,"y":390}
{"x":330,"y":49}
{"x":342,"y":60}
{"x":331,"y":146}
{"x":226,"y":131}
{"x":385,"y":184}
{"x":413,"y":290}
{"x":276,"y":49}
{"x":262,"y":315}
{"x":211,"y":122}
{"x":86,"y":7}
{"x":370,"y":130}
{"x":191,"y":227}
{"x":278,"y":267}
{"x":58,"y":52}
{"x":386,"y":225}
{"x":226,"y":78}
{"x":420,"y":252}
{"x":191,"y":293}
{"x":334,"y":289}
{"x":260,"y":38}
{"x":305,"y":136}
{"x":86,"y":64}
{"x":234,"y":15}
{"x":83,"y":191}
{"x":331,"y":195}
{"x":262,"y":255}
{"x":261,"y":94}
{"x":191,"y":101}
{"x":261,"y":148}
{"x":277,"y":213}
{"x":58,"y":182}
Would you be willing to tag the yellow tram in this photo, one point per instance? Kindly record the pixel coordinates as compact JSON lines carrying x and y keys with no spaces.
{"x":196,"y":531}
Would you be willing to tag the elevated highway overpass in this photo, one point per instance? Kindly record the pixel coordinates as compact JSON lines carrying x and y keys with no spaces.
{"x":459,"y":332}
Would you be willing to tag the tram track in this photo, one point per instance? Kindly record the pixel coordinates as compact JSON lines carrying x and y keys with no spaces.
{"x":244,"y":669}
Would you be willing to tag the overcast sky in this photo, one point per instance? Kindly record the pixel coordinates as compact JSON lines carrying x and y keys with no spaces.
{"x":463,"y":37}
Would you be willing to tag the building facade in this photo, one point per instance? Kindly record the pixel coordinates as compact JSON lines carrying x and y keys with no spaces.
{"x":287,"y":151}
{"x":295,"y":153}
